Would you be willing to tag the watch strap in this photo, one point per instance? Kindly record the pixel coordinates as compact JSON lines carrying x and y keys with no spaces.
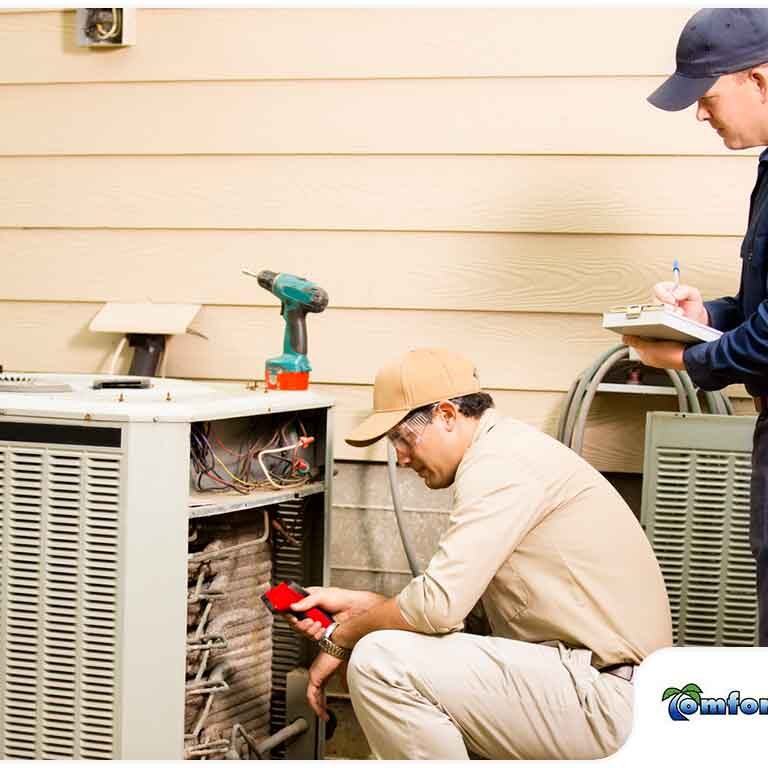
{"x":333,"y":649}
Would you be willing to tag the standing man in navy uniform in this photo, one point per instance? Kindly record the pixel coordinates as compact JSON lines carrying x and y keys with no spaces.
{"x":721,"y":64}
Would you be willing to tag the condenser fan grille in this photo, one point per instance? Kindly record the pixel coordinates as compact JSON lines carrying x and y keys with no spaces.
{"x":696,"y":513}
{"x":59,"y":556}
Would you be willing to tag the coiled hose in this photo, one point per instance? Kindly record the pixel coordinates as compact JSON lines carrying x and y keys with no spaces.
{"x":578,"y":400}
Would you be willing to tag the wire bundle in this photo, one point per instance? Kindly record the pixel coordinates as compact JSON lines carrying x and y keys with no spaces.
{"x":578,"y":401}
{"x":259,"y":464}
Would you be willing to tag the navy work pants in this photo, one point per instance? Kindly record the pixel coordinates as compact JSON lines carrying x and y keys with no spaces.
{"x":758,"y":533}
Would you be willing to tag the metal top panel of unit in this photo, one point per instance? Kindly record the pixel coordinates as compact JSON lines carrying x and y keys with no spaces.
{"x":165,"y":400}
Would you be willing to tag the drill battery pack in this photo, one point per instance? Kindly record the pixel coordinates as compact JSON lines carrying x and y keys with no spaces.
{"x":276,"y":378}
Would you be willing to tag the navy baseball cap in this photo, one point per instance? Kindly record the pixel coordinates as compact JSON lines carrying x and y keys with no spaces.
{"x":714,"y":42}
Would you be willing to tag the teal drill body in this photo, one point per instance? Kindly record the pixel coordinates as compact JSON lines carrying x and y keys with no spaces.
{"x":298,"y":297}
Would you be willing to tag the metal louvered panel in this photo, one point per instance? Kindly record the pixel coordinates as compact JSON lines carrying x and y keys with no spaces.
{"x":708,"y":549}
{"x":740,"y":613}
{"x":668,"y":540}
{"x":3,"y":598}
{"x":24,"y":601}
{"x":60,"y":510}
{"x":62,"y":595}
{"x":696,"y":514}
{"x":98,"y":681}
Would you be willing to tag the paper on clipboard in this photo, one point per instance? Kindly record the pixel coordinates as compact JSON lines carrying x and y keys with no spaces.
{"x":657,"y":321}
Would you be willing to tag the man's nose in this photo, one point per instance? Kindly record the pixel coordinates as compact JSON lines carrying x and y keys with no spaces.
{"x":701,"y":112}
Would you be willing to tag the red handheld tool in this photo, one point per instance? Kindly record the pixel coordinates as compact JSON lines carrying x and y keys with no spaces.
{"x":280,"y":598}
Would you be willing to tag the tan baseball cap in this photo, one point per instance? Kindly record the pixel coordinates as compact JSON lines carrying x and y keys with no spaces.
{"x":420,"y":377}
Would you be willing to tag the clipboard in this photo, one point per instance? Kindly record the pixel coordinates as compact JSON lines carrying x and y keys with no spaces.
{"x":657,"y":321}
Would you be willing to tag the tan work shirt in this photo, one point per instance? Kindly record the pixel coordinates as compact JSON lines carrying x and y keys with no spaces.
{"x":550,"y":547}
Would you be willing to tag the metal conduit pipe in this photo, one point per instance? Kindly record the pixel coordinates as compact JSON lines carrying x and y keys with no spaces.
{"x":572,"y":408}
{"x":577,"y":441}
{"x":578,"y":395}
{"x":233,"y":753}
{"x":397,"y":504}
{"x":717,"y":402}
{"x":297,"y":727}
{"x":693,"y":400}
{"x":566,"y":407}
{"x":682,"y":396}
{"x":713,"y":403}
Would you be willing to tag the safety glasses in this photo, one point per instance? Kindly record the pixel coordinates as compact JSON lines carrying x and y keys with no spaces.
{"x":408,"y":434}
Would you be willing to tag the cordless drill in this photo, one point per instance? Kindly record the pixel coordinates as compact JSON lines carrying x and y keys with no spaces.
{"x":298,"y":296}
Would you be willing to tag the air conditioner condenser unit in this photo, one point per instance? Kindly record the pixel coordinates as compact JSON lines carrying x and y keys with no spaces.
{"x":130,"y":620}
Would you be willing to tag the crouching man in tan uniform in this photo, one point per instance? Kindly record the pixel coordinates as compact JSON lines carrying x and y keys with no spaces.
{"x":569,"y":584}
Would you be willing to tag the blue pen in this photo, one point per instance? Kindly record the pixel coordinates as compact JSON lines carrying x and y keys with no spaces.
{"x":676,"y":276}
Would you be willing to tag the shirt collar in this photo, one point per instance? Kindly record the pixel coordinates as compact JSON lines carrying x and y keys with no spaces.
{"x":764,"y":156}
{"x":489,"y":418}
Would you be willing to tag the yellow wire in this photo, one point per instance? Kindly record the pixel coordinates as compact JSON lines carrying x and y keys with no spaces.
{"x":288,"y":484}
{"x":235,"y":477}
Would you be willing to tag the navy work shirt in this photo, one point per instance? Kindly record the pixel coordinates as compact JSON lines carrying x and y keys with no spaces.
{"x":740,"y":355}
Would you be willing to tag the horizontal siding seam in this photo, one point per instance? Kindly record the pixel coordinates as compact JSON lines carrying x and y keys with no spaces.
{"x":414,"y":232}
{"x":333,"y":308}
{"x":730,"y":156}
{"x":339,"y":79}
{"x":437,"y":231}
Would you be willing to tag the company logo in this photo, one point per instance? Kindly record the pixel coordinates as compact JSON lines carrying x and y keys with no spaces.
{"x":687,"y":701}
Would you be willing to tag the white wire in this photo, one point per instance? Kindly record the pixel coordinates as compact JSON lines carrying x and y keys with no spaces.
{"x":100,"y":30}
{"x":285,"y":484}
{"x":118,"y":352}
{"x":164,"y":358}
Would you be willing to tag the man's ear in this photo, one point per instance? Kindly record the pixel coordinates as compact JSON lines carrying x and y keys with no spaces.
{"x":447,"y":411}
{"x":759,"y":78}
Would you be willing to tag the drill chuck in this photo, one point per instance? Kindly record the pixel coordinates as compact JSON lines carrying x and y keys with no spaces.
{"x":318,"y":300}
{"x":266,"y":279}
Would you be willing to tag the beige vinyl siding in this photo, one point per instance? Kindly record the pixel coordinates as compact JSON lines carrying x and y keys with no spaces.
{"x":494,"y":116}
{"x":346,"y":345}
{"x":489,"y":179}
{"x":595,"y":194}
{"x":494,"y":272}
{"x":243,"y":44}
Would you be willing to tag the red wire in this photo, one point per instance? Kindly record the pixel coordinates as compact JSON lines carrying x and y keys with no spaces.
{"x":230,"y":452}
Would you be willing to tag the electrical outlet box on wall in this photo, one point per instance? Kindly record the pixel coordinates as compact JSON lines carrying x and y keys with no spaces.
{"x":105,"y":27}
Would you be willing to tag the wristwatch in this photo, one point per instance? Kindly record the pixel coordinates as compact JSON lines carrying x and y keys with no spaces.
{"x":332,"y":649}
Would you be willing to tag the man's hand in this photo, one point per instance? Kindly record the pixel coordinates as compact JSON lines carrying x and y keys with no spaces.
{"x":320,"y":673}
{"x":657,"y":354}
{"x":343,"y":604}
{"x":685,"y":299}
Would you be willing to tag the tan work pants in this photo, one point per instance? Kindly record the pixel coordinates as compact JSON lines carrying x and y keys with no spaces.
{"x":424,"y":697}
